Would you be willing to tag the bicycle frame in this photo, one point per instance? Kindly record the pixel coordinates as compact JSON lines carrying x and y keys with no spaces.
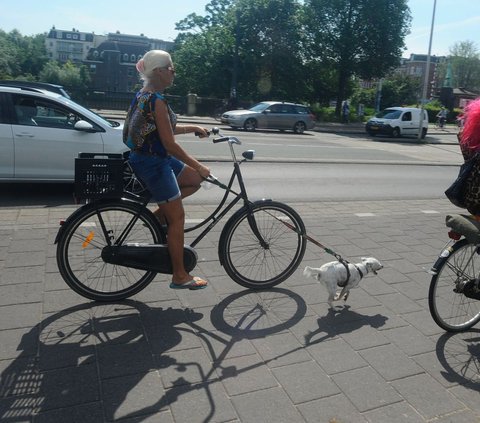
{"x":222,"y":209}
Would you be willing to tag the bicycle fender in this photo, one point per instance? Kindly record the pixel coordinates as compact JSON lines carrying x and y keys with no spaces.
{"x":87,"y":206}
{"x":233,"y":217}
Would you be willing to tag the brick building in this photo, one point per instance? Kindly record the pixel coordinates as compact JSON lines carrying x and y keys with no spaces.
{"x":110,"y":59}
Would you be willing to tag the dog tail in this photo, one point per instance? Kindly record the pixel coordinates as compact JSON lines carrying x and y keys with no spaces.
{"x":309,"y":272}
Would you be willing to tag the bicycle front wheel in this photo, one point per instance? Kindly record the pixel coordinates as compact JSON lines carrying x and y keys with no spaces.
{"x":266,"y":262}
{"x":451,"y":309}
{"x":79,"y":250}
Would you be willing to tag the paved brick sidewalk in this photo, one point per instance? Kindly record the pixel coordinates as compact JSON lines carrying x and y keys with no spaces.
{"x":224,"y":354}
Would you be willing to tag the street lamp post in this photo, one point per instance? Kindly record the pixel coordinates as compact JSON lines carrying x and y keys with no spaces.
{"x":427,"y":73}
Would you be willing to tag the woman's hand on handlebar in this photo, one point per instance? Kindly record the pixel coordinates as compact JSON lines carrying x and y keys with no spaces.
{"x":202,"y":132}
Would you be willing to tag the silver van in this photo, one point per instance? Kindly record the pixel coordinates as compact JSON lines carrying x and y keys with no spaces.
{"x":398,"y":121}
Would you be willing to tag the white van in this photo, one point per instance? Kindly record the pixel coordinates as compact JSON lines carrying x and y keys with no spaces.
{"x":398,"y":121}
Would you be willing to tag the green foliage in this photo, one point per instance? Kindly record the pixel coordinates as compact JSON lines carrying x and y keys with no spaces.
{"x":464,"y":61}
{"x":21,"y":55}
{"x":360,"y":37}
{"x":250,"y":44}
{"x":25,"y":58}
{"x":75,"y":79}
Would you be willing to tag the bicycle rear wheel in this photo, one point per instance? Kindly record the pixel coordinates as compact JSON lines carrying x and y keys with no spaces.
{"x":257,"y":266}
{"x":451,"y":309}
{"x":79,"y":249}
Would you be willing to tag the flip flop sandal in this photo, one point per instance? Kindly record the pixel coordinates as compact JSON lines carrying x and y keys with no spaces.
{"x":193,"y":284}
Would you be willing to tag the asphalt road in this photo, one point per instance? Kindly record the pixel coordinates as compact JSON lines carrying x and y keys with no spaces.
{"x":330,"y":148}
{"x":309,"y":167}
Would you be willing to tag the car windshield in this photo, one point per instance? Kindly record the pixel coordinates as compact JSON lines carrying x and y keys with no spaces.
{"x":389,"y":114}
{"x":260,"y":107}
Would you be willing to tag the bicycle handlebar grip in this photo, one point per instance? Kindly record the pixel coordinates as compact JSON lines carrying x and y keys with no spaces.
{"x":222,"y":139}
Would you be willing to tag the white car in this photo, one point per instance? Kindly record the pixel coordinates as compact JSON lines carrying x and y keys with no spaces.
{"x":42,"y":132}
{"x":398,"y":121}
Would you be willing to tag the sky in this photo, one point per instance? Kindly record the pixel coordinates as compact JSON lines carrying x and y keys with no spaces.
{"x":455,"y":20}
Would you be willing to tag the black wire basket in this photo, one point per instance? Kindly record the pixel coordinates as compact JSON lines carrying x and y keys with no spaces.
{"x":98,"y":175}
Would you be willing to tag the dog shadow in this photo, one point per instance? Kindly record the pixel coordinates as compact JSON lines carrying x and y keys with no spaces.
{"x":344,"y":320}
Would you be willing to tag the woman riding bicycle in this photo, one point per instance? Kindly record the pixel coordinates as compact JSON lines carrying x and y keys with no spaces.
{"x":166,"y":169}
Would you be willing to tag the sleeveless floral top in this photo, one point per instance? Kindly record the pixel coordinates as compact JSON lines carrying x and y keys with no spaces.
{"x":140,"y":131}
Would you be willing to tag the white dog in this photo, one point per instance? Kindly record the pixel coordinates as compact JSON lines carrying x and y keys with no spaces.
{"x":335,"y":274}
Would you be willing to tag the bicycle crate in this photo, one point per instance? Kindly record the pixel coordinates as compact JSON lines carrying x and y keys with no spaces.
{"x":98,"y":175}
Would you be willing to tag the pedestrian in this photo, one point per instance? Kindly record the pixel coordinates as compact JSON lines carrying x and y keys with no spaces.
{"x":469,"y":139}
{"x":167,"y":170}
{"x":345,"y":112}
{"x":442,"y":117}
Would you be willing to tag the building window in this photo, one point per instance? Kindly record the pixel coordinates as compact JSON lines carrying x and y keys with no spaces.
{"x":93,"y":68}
{"x":125,"y":57}
{"x":69,"y":36}
{"x":132,"y":58}
{"x":75,"y":36}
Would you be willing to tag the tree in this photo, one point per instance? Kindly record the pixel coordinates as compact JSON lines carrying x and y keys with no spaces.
{"x":73,"y":78}
{"x":249,"y":45}
{"x":270,"y":40}
{"x":364,"y":38}
{"x":21,"y":57}
{"x":465,"y":61}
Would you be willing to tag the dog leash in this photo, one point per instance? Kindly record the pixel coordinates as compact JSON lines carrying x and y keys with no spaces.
{"x":215,"y":181}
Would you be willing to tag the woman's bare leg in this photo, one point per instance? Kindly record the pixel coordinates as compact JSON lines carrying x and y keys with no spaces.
{"x":175,"y":216}
{"x":189,"y":182}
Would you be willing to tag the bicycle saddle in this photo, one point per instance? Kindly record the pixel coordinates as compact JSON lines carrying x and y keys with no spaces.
{"x":464,"y":225}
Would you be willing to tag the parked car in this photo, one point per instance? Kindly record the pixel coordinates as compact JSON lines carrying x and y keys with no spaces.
{"x":42,"y":132}
{"x":398,"y":121}
{"x":271,"y":115}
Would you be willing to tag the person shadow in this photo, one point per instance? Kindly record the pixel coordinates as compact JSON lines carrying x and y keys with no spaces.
{"x":80,"y":349}
{"x":100,"y":362}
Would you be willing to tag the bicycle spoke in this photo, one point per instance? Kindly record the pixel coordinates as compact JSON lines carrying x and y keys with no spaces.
{"x":270,"y":257}
{"x":80,"y":253}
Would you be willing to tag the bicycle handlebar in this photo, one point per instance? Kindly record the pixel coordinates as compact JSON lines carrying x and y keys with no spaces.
{"x":231,"y":140}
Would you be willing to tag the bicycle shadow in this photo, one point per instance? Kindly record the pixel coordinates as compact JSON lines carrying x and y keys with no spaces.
{"x":342,"y":321}
{"x":459,"y":354}
{"x":109,"y":361}
{"x":78,"y":352}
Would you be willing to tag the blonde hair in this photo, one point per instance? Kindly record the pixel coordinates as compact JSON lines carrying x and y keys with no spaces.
{"x":151,"y":60}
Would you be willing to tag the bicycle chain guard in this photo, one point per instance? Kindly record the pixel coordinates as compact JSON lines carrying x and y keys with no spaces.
{"x":154,"y":258}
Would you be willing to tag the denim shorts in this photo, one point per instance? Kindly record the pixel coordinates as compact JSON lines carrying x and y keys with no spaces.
{"x":159,"y":174}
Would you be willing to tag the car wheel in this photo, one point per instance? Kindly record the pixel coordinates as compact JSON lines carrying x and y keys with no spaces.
{"x":424,"y":133}
{"x":250,"y":124}
{"x":372,"y":134}
{"x":396,"y":133}
{"x":299,"y":127}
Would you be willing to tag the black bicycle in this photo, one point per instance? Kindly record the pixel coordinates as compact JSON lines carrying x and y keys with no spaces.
{"x":454,"y":294}
{"x":112,"y":247}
